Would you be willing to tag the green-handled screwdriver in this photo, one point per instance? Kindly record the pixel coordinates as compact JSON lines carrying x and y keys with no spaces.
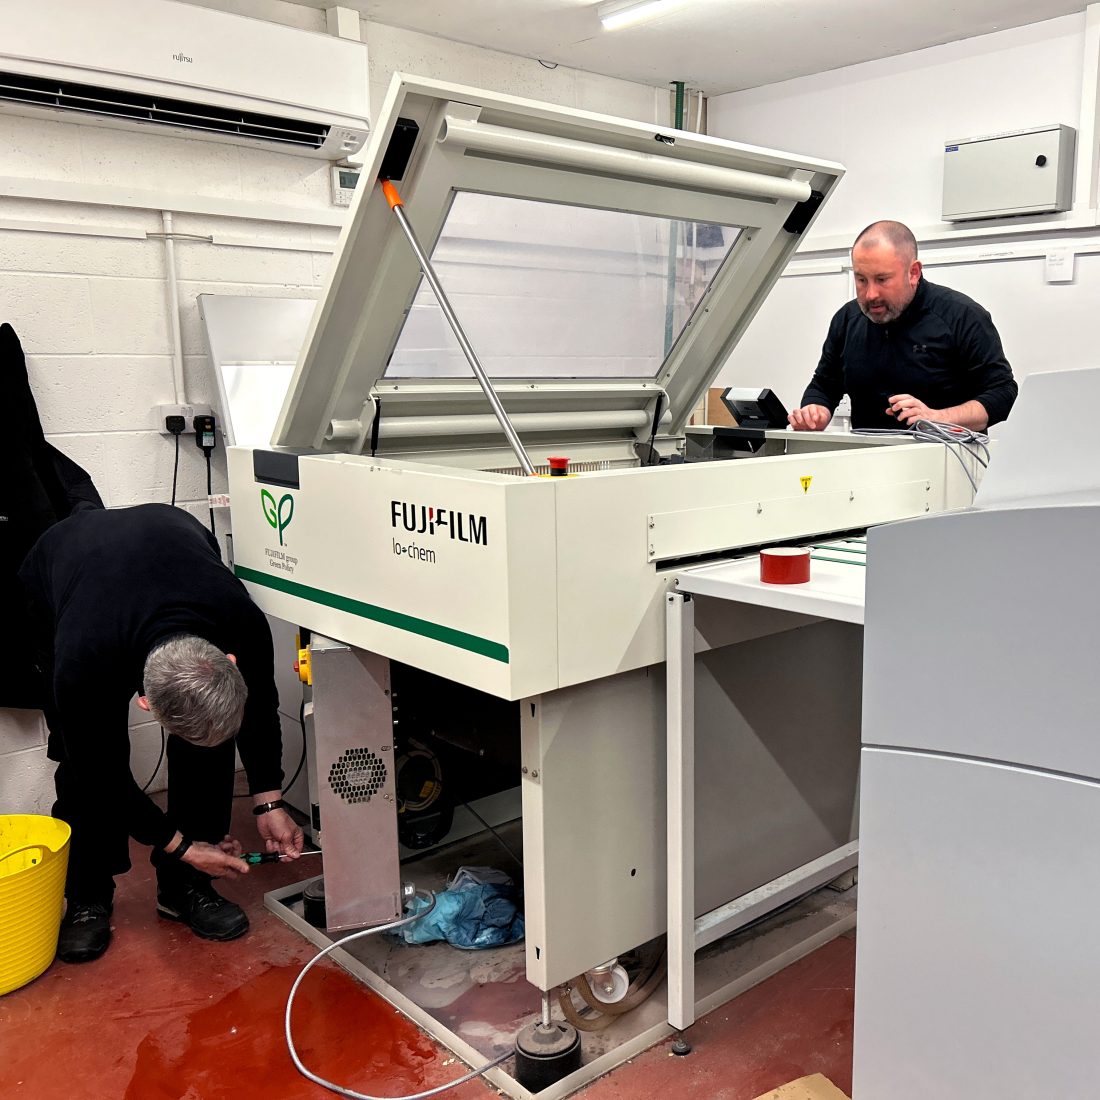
{"x":269,"y":857}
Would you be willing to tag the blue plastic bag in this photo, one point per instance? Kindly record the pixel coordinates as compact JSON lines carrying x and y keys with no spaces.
{"x":472,"y":916}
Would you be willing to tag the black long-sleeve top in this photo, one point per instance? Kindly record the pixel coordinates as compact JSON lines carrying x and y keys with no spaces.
{"x":943,"y":349}
{"x":114,"y":584}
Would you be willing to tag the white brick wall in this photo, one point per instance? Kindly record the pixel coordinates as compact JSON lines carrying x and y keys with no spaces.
{"x":25,"y":774}
{"x":85,"y":288}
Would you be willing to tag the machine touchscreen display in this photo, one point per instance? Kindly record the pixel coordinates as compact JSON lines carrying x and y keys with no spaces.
{"x":755,"y":408}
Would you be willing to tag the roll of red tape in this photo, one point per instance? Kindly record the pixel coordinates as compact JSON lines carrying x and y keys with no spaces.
{"x":785,"y":565}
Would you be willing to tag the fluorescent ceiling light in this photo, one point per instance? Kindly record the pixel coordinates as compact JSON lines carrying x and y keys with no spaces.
{"x":621,"y":13}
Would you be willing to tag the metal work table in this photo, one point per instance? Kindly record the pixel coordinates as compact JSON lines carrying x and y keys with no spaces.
{"x":835,"y":591}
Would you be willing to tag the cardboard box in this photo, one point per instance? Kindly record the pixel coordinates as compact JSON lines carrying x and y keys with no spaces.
{"x":716,"y":412}
{"x":816,"y":1087}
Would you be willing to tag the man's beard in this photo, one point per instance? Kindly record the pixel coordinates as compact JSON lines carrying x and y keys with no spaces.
{"x":889,"y":314}
{"x":885,"y":317}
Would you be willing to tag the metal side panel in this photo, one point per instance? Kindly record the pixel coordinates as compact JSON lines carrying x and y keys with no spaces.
{"x":978,"y":962}
{"x":777,"y":756}
{"x":356,"y":785}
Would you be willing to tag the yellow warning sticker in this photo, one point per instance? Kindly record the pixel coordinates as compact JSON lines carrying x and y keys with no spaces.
{"x":806,"y":483}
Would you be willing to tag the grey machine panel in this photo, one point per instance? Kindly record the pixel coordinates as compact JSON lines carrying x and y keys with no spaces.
{"x":776,"y":787}
{"x":981,"y":636}
{"x":978,"y":965}
{"x":978,"y":971}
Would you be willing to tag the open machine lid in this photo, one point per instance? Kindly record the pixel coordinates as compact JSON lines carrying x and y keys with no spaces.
{"x":597,"y":266}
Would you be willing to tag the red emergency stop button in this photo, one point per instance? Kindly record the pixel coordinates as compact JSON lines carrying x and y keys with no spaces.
{"x":559,"y":467}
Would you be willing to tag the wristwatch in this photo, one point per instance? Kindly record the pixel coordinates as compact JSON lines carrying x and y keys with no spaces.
{"x":267,"y":807}
{"x":178,"y":851}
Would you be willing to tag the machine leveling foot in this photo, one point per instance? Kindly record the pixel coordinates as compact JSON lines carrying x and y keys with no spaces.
{"x":313,"y":903}
{"x":546,"y":1053}
{"x":680,"y":1045}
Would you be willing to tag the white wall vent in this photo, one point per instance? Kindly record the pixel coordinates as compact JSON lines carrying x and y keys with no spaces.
{"x":194,"y":71}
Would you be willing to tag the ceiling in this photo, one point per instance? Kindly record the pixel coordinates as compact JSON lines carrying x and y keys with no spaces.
{"x":714,"y":45}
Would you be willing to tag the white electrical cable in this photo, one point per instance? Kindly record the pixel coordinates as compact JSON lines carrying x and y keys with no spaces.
{"x":340,"y":1090}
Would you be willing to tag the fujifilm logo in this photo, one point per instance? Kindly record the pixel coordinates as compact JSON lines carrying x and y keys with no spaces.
{"x":419,"y":519}
{"x":183,"y":58}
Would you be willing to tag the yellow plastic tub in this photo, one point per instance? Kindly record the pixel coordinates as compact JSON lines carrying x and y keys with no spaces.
{"x":34,"y":853}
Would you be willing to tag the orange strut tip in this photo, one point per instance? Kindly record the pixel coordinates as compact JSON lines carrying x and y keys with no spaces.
{"x":392,"y":197}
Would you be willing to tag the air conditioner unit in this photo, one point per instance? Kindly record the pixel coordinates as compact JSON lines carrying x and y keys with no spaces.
{"x":192,"y":71}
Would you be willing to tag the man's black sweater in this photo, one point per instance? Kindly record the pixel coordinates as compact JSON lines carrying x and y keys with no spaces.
{"x":943,"y":349}
{"x":112,"y":585}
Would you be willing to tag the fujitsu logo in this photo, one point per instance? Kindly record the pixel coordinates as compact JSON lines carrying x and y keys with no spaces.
{"x":419,"y":519}
{"x":182,"y":57}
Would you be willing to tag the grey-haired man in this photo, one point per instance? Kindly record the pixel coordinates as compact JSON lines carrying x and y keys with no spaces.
{"x":137,"y":601}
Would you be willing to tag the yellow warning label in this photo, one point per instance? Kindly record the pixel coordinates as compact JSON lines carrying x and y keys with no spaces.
{"x":806,"y":483}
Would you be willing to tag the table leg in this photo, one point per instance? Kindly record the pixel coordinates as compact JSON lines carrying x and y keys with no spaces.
{"x":680,"y":808}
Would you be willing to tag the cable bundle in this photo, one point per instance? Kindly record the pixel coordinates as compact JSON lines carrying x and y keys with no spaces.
{"x":953,"y":436}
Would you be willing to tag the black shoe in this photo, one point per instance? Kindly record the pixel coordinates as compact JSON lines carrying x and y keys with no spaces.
{"x":85,"y":932}
{"x":203,"y":910}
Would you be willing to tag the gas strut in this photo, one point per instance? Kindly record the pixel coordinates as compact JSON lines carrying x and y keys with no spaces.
{"x":397,"y":206}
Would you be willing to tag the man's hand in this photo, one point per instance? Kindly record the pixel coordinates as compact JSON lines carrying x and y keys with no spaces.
{"x":215,"y":859}
{"x":909,"y":409}
{"x":280,"y":833}
{"x":278,"y":829}
{"x":810,"y":418}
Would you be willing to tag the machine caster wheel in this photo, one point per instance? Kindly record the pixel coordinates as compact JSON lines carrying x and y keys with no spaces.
{"x":545,"y":1055}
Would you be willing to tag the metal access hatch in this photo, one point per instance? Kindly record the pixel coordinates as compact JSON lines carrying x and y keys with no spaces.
{"x":603,"y":270}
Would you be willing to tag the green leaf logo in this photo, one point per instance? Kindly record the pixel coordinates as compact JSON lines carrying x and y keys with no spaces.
{"x":278,"y":515}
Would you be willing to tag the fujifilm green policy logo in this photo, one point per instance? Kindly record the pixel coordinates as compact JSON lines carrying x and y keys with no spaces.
{"x":278,"y":515}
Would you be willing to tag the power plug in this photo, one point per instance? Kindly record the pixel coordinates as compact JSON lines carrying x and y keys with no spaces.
{"x":204,"y":433}
{"x":187,"y":413}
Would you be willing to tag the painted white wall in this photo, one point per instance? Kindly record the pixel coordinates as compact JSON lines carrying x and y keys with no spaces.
{"x":887,"y":122}
{"x":84,"y":286}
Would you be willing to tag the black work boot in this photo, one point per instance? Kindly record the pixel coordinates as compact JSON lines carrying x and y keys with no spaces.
{"x":85,"y":931}
{"x":198,"y":905}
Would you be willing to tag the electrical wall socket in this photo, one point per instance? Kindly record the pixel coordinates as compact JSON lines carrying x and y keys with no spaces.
{"x":188,"y":412}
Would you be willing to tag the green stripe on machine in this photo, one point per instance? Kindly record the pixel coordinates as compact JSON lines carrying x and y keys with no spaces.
{"x":448,"y":635}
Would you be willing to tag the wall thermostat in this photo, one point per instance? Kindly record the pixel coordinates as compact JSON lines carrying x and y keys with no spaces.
{"x":344,"y":181}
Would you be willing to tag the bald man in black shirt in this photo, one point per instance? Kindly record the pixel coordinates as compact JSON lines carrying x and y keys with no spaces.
{"x":137,"y":601}
{"x":907,"y":350}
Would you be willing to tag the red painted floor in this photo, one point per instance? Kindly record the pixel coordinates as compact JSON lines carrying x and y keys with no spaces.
{"x":167,"y":1016}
